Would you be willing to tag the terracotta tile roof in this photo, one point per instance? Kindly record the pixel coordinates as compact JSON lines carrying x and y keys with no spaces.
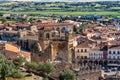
{"x":83,"y":45}
{"x":113,"y":42}
{"x":98,"y":47}
{"x":10,"y":54}
{"x":12,"y":48}
{"x":12,"y":51}
{"x":47,"y":28}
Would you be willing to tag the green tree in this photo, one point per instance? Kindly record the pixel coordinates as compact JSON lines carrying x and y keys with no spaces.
{"x":11,"y":70}
{"x":3,"y":73}
{"x":17,"y":74}
{"x":80,"y":31}
{"x":46,"y":68}
{"x":19,"y":61}
{"x":31,"y":66}
{"x":2,"y":58}
{"x":3,"y":20}
{"x":67,"y":75}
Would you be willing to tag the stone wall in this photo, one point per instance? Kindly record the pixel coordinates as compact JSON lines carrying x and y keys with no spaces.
{"x":89,"y":76}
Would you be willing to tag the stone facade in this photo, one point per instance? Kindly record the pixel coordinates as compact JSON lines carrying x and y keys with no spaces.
{"x":50,"y":44}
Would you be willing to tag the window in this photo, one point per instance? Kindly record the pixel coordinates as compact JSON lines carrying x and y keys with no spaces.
{"x":81,"y":50}
{"x":117,"y":57}
{"x":109,"y":57}
{"x":39,"y":55}
{"x":113,"y":57}
{"x":118,"y":52}
{"x":109,"y":52}
{"x":47,"y":35}
{"x":78,"y":50}
{"x":81,"y":57}
{"x":113,"y":52}
{"x":63,"y":30}
{"x":85,"y":57}
{"x":85,"y":50}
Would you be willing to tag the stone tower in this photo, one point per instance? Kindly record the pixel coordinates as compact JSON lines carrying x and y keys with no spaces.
{"x":22,"y":33}
{"x":44,"y":37}
{"x":69,"y":44}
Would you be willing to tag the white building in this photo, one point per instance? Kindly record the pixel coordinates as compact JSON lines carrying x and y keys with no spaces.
{"x":95,"y":54}
{"x":114,"y":52}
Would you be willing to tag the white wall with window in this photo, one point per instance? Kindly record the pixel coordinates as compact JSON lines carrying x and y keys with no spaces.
{"x":95,"y":54}
{"x":113,"y":54}
{"x":82,"y":52}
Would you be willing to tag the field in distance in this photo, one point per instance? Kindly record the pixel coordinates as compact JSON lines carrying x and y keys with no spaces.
{"x":105,"y":13}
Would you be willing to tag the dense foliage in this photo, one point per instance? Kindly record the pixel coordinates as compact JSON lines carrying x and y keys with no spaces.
{"x":67,"y":75}
{"x":8,"y":69}
{"x":46,"y":68}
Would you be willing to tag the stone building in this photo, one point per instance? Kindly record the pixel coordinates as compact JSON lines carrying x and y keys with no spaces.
{"x":82,"y":51}
{"x":51,"y":43}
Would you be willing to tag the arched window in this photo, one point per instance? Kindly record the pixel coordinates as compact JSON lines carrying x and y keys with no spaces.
{"x":63,"y":30}
{"x":47,"y":35}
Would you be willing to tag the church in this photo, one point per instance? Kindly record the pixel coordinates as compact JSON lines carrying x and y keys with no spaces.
{"x":50,"y":44}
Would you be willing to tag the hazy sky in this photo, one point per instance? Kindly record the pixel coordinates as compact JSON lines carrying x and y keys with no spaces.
{"x":61,"y":0}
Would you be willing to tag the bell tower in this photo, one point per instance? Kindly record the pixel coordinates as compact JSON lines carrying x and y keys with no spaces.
{"x":69,"y":44}
{"x":44,"y":37}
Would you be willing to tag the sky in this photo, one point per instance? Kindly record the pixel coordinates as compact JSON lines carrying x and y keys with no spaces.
{"x":61,"y":0}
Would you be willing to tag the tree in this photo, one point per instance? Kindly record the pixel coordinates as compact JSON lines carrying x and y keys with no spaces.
{"x":19,"y":61}
{"x":3,"y":20}
{"x":11,"y":71}
{"x":2,"y":58}
{"x":67,"y":75}
{"x":17,"y":74}
{"x":3,"y":73}
{"x":31,"y":66}
{"x":46,"y":68}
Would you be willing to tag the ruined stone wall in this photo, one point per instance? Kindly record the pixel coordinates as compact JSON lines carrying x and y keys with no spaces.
{"x":52,"y":52}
